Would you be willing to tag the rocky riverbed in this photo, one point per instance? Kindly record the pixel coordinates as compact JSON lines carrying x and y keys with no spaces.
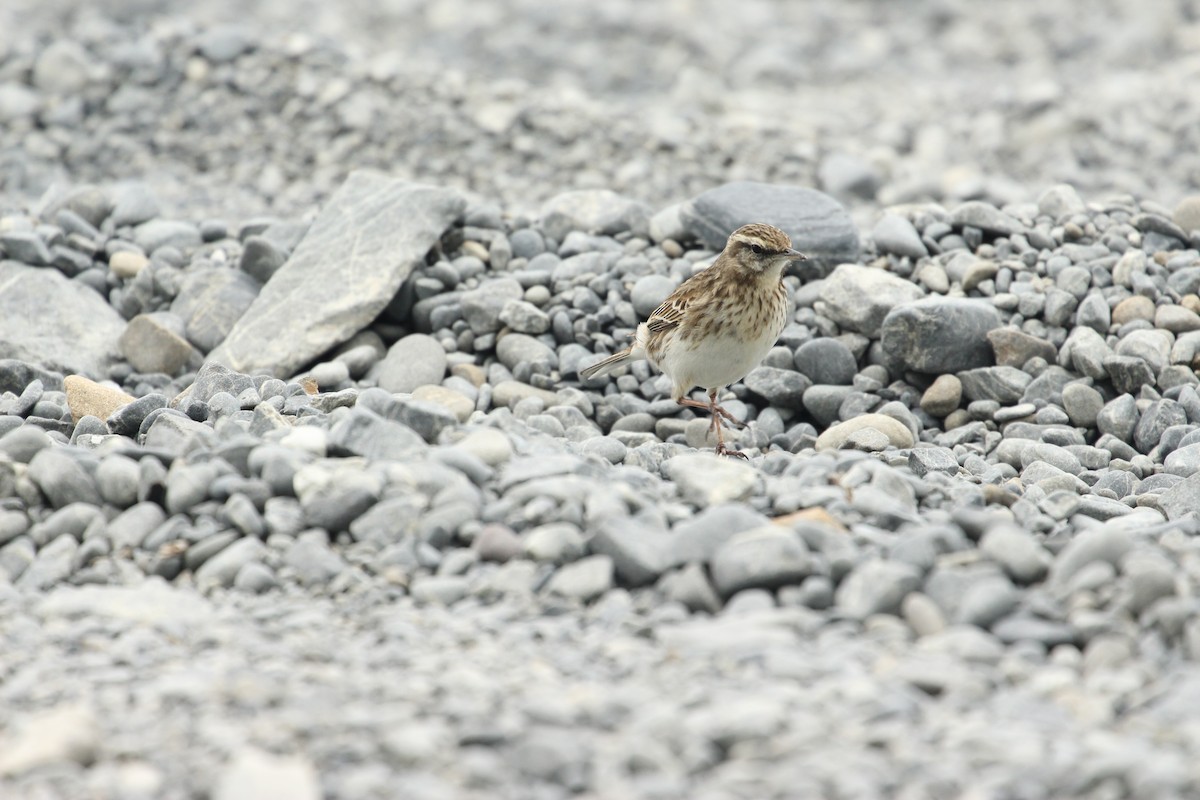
{"x":301,"y":494}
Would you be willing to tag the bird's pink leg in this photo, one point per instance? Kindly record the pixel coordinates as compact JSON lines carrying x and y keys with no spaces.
{"x":715,"y":425}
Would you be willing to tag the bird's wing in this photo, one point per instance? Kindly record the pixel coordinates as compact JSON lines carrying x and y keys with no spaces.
{"x":668,"y":315}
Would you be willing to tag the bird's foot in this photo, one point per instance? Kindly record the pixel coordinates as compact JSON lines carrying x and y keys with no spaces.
{"x":723,"y":450}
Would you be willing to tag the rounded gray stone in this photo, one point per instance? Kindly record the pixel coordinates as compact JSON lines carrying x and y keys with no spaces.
{"x":416,"y":360}
{"x":826,"y":361}
{"x":649,"y":292}
{"x":765,"y":558}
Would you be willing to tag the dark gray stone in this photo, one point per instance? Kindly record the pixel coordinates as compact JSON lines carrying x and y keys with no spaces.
{"x":825,"y":402}
{"x":826,"y":361}
{"x":940,"y":334}
{"x":211,"y":300}
{"x":371,"y":235}
{"x":70,"y":520}
{"x":127,"y":420}
{"x":1094,"y":313}
{"x":212,"y":379}
{"x":1006,"y":385}
{"x":986,"y":217}
{"x":924,"y":460}
{"x":261,"y":258}
{"x":779,"y":387}
{"x":1128,"y":373}
{"x":15,"y":375}
{"x":1158,"y":416}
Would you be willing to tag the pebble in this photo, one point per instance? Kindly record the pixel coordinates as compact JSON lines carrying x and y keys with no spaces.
{"x":940,"y":334}
{"x":895,"y":433}
{"x":765,"y":558}
{"x":709,"y":480}
{"x":894,"y":234}
{"x":416,"y":360}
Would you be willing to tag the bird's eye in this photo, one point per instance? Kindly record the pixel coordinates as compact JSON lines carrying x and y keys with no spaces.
{"x":757,"y":249}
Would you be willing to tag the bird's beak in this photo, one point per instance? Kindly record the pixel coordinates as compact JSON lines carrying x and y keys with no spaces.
{"x":796,"y":255}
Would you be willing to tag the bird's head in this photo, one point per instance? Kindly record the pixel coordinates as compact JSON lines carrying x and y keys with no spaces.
{"x":760,"y":248}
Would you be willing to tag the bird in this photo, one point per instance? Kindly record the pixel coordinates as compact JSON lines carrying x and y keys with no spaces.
{"x":718,"y":324}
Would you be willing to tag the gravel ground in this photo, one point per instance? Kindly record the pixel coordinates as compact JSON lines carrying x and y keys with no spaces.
{"x":301,"y":494}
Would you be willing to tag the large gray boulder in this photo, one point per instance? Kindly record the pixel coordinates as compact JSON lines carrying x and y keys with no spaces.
{"x":56,"y":323}
{"x":345,"y":270}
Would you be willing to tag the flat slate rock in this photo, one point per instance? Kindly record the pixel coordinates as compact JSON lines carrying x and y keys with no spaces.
{"x":348,"y":267}
{"x":820,"y":226}
{"x":56,"y":323}
{"x":940,"y":334}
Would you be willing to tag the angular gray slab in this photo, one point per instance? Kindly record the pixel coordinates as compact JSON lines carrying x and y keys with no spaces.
{"x":349,"y":265}
{"x":56,"y":323}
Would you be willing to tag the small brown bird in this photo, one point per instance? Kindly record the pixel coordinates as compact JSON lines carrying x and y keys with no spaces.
{"x":719,"y":324}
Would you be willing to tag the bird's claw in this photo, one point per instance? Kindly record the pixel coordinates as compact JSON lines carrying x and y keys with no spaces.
{"x":722,"y":450}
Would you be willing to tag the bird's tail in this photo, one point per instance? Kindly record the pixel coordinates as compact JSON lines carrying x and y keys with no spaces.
{"x":608,"y":365}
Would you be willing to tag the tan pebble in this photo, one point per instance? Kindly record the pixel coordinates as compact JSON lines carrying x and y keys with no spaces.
{"x":127,"y":263}
{"x":460,"y":405}
{"x":509,"y":393}
{"x":86,"y":397}
{"x":1131,"y":308}
{"x":942,"y":396}
{"x":894,"y":432}
{"x":1187,"y":213}
{"x":471,"y":248}
{"x":815,"y":514}
{"x":471,"y":372}
{"x":1191,"y":302}
{"x":956,"y":419}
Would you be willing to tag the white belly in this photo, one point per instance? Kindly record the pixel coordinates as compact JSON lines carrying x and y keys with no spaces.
{"x":714,"y":364}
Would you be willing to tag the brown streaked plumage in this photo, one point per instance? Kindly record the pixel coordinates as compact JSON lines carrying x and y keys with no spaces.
{"x":719,"y":324}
